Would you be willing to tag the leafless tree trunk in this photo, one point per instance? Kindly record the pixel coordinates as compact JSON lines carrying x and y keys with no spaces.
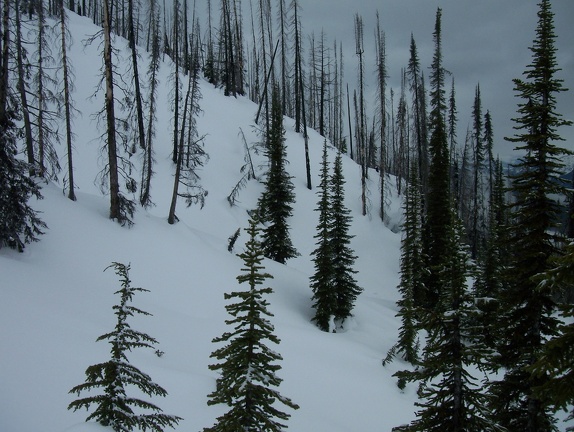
{"x":115,"y":210}
{"x":67,"y":100}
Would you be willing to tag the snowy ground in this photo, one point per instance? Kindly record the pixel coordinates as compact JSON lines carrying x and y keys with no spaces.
{"x":56,"y":299}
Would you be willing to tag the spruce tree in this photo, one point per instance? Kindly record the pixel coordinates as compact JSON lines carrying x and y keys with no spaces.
{"x":275,"y":204}
{"x":556,"y":361}
{"x":489,"y":281}
{"x":19,"y":222}
{"x":344,"y":282}
{"x":248,"y":381}
{"x":450,"y":397}
{"x":527,"y":310}
{"x":322,"y":283}
{"x":411,"y":286}
{"x":114,"y":407}
{"x":438,"y":208}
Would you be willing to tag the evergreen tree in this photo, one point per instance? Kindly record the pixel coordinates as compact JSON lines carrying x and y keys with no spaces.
{"x":344,"y":283}
{"x":411,"y":286}
{"x":450,"y":397}
{"x":19,"y":223}
{"x":275,"y":203}
{"x":438,"y":216}
{"x":556,"y":361}
{"x":489,"y":282}
{"x":324,"y":296}
{"x":114,"y":407}
{"x":416,"y":84}
{"x":527,"y":310}
{"x":248,"y":382}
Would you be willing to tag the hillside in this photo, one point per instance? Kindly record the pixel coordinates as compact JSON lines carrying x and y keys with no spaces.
{"x":56,"y":299}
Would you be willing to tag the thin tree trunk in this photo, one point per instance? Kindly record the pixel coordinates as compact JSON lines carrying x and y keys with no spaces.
{"x":67,"y":102}
{"x":138,"y":96}
{"x":172,"y":218}
{"x":115,"y":213}
{"x":350,"y":127}
{"x":22,"y":90}
{"x":5,"y":57}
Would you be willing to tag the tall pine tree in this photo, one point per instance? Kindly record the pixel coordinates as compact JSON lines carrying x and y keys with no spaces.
{"x":248,"y":382}
{"x":527,"y":310}
{"x":411,"y":286}
{"x":275,"y":203}
{"x":450,"y":397}
{"x":324,"y":296}
{"x":438,"y":217}
{"x":344,"y":282}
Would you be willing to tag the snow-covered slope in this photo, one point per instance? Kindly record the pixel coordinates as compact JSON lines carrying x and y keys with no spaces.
{"x":56,"y":299}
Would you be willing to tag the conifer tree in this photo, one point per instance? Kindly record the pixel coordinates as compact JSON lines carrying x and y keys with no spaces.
{"x":114,"y":407}
{"x":450,"y":397}
{"x":19,"y":222}
{"x":527,"y":310}
{"x":489,"y":282}
{"x":416,"y":84}
{"x":344,"y":282}
{"x":411,"y":286}
{"x":322,"y":283}
{"x":275,"y":203}
{"x":248,"y":382}
{"x":556,"y":361}
{"x":438,"y":211}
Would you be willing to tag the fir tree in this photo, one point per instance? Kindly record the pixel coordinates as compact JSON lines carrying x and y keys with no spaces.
{"x":556,"y":361}
{"x":322,"y":283}
{"x":275,"y":203}
{"x":411,"y":286}
{"x":19,"y":222}
{"x":248,"y":382}
{"x":344,"y":283}
{"x":528,"y":318}
{"x":450,"y":399}
{"x":438,"y":212}
{"x":489,"y":282}
{"x":114,"y":407}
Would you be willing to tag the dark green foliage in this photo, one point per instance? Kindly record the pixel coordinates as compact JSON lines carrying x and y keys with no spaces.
{"x":411,"y":285}
{"x":528,"y":318}
{"x":275,"y":203}
{"x":489,"y":282}
{"x":19,"y":223}
{"x":322,"y":284}
{"x":344,"y":282}
{"x":438,"y":210}
{"x":556,"y":361}
{"x":114,"y":407}
{"x":248,"y":378}
{"x":334,"y":287}
{"x":451,"y":398}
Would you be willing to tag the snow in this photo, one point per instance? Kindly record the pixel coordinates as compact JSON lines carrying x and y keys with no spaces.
{"x":57,"y":299}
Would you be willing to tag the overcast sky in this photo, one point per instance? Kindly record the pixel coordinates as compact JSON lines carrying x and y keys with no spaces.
{"x":485,"y":42}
